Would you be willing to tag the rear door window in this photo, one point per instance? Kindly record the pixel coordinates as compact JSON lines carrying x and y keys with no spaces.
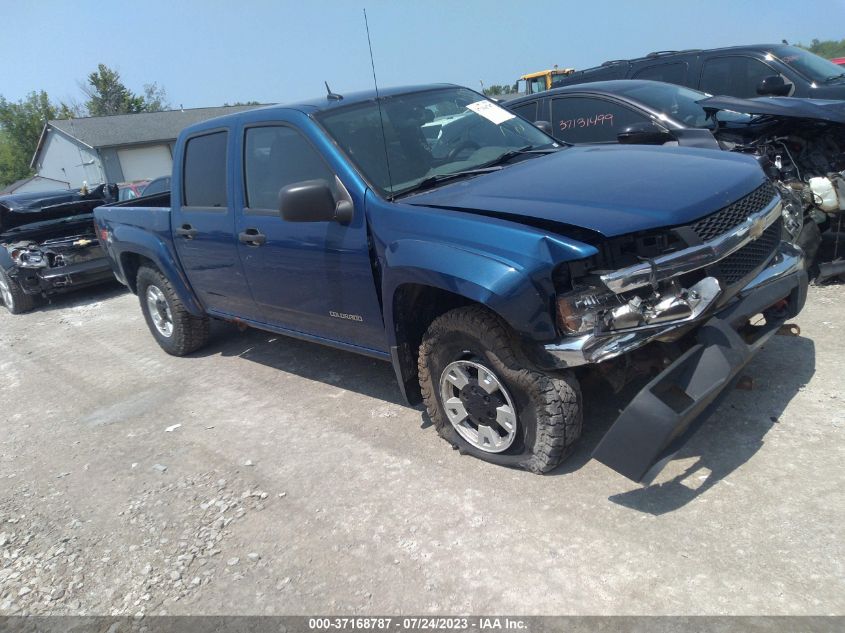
{"x":673,"y":73}
{"x":591,"y":120}
{"x":734,"y":76}
{"x":204,"y":174}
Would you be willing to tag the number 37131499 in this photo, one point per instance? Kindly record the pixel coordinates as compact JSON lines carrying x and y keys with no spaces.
{"x":588,"y":121}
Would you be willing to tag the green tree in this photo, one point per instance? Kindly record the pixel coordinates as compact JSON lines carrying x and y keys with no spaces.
{"x":21,"y":123}
{"x":497,"y":89}
{"x":155,"y":98}
{"x":826,"y":48}
{"x":107,"y":95}
{"x":9,"y":172}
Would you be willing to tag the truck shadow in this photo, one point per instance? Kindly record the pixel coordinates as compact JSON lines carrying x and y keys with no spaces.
{"x":81,"y":297}
{"x":727,"y":439}
{"x":346,"y":370}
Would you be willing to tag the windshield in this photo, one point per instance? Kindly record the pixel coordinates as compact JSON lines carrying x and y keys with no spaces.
{"x":429,"y":133}
{"x":808,"y":64}
{"x":678,"y":103}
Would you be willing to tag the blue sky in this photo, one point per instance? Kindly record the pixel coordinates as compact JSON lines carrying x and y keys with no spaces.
{"x":208,"y":53}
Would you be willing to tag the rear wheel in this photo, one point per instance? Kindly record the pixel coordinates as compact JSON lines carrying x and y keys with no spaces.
{"x":13,"y":296}
{"x":487,"y":403}
{"x":176,"y":330}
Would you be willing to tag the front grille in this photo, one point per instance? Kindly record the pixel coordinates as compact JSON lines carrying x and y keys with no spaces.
{"x":737,"y":266}
{"x":735,"y":214}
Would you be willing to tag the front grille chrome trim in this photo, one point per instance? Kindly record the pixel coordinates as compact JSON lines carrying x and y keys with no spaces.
{"x":699,"y":256}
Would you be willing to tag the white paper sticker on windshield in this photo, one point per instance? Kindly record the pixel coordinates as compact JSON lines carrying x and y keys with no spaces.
{"x":491,"y":111}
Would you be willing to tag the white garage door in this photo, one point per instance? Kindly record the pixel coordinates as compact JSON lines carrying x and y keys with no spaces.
{"x":145,"y":162}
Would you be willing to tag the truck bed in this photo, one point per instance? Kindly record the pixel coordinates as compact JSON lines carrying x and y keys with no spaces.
{"x":156,"y":200}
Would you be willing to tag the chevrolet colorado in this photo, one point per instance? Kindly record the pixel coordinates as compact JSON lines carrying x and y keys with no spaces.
{"x":489,"y":264}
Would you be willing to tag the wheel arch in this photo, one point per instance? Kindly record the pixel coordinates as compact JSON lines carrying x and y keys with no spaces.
{"x":414,"y":306}
{"x":133,"y":248}
{"x":425,"y":278}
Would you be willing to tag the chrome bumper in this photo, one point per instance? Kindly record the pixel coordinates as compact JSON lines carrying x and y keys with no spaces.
{"x":595,"y":348}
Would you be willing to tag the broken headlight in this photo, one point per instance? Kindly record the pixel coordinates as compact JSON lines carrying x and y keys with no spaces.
{"x":581,"y":310}
{"x":591,"y":309}
{"x":27,"y":256}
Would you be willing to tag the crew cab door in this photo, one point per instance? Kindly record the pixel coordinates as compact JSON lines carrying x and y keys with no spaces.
{"x":315,"y":278}
{"x":203,"y":225}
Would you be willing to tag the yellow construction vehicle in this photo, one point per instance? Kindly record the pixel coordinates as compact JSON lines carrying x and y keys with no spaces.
{"x":541,"y":80}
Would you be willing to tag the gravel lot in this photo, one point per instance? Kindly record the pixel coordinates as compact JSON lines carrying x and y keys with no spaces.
{"x":269,"y":476}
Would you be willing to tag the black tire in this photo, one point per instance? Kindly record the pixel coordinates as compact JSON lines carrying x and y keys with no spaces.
{"x":548,"y":406}
{"x":189,"y":333}
{"x":15,"y":300}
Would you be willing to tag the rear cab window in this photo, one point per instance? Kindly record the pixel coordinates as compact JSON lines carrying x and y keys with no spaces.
{"x":204,"y":171}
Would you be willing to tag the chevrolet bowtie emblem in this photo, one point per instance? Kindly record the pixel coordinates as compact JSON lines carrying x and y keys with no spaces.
{"x":756,"y":229}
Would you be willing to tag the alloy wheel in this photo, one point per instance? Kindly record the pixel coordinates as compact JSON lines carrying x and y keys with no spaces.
{"x":159,"y":311}
{"x":478,"y":406}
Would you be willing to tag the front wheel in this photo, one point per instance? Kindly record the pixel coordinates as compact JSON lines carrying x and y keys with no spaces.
{"x":176,"y":330}
{"x":485,"y":402}
{"x":12,"y":295}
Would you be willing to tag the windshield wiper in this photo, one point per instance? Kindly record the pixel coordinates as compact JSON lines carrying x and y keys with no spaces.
{"x":829,"y":79}
{"x":436,"y":179}
{"x":485,"y":168}
{"x":529,"y":149}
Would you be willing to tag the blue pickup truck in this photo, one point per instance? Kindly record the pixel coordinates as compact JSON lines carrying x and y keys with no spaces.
{"x":491,"y":265}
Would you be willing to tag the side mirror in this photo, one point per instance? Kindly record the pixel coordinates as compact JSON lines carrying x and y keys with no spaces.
{"x":644,"y":133}
{"x":773,"y":86}
{"x":544,"y":126}
{"x":312,"y":201}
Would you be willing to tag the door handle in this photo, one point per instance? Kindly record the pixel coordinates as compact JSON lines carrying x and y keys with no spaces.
{"x":187,"y":231}
{"x":252,"y":237}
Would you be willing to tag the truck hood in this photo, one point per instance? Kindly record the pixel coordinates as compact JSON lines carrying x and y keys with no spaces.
{"x":612,"y":190}
{"x":12,"y":215}
{"x":781,"y":107}
{"x":46,"y":229}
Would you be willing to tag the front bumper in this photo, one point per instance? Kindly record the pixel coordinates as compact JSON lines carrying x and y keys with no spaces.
{"x":41,"y":281}
{"x":595,"y":348}
{"x":668,"y":410}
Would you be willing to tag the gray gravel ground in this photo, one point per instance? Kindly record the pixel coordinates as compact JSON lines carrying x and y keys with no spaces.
{"x":269,"y":476}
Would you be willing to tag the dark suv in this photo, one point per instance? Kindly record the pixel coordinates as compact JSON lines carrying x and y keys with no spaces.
{"x":738,"y":71}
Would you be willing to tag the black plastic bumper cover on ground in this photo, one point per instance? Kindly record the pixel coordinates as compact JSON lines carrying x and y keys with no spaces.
{"x":667,"y":411}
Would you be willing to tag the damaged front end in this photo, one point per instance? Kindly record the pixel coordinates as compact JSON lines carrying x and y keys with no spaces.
{"x":800,"y":144}
{"x":696,"y":291}
{"x":48,"y":243}
{"x":57,"y":263}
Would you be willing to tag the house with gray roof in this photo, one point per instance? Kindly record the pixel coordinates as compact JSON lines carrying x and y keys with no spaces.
{"x":118,"y":148}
